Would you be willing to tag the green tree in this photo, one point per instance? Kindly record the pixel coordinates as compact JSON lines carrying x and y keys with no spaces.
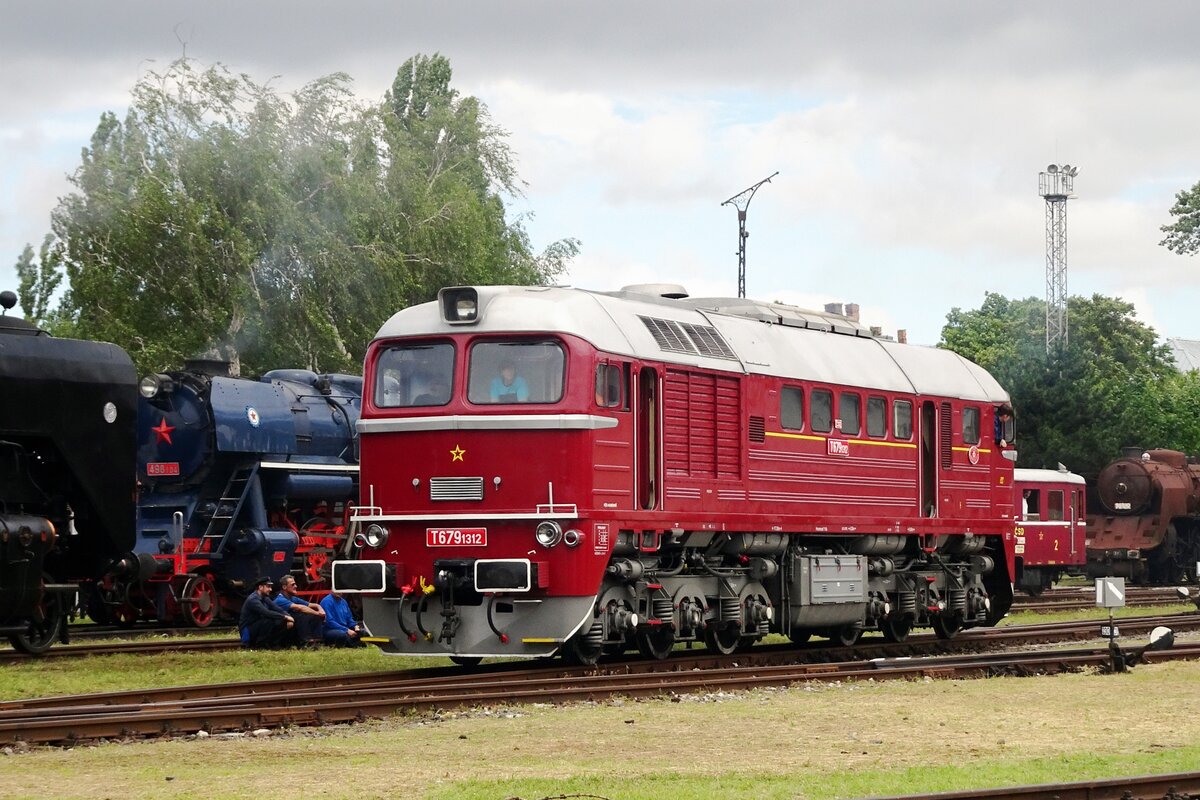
{"x":1112,"y":386}
{"x":1183,"y":235}
{"x":220,"y":217}
{"x":38,"y":281}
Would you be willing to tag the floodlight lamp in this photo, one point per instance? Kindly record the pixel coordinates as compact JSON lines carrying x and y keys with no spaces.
{"x":1052,"y":169}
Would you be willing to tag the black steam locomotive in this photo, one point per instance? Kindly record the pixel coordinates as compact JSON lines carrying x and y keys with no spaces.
{"x":68,"y":421}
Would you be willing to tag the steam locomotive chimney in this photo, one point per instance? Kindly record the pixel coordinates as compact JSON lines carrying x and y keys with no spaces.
{"x":213,"y":367}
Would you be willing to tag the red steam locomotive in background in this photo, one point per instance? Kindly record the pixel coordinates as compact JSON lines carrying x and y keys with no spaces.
{"x":557,"y":470}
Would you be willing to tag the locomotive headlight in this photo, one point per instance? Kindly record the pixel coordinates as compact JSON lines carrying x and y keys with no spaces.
{"x":375,"y":535}
{"x":153,"y":385}
{"x":572,"y":537}
{"x":460,"y":305}
{"x":548,"y":533}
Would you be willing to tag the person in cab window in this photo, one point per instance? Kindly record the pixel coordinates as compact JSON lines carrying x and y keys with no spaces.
{"x":1003,"y":415}
{"x":437,"y":395}
{"x":508,"y":386}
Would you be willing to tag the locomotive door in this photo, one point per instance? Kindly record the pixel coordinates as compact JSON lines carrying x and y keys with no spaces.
{"x":929,"y":459}
{"x":646,"y":456}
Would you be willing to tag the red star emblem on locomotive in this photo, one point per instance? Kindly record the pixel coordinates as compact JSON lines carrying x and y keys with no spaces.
{"x":163,"y":432}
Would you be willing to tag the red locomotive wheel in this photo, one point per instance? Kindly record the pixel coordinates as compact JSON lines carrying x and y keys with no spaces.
{"x":199,"y":601}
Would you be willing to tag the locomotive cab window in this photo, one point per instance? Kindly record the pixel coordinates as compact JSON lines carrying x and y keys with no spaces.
{"x":902,"y":419}
{"x":970,"y":425}
{"x":414,"y":375}
{"x":515,"y":372}
{"x":876,"y":417}
{"x":1054,"y":505}
{"x":791,"y":408}
{"x":850,"y":413}
{"x":1031,"y":501}
{"x":821,"y":413}
{"x":610,"y":386}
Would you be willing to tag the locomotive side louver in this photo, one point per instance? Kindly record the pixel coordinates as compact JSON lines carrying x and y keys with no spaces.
{"x":684,"y":337}
{"x":758,"y":430}
{"x":441,"y":489}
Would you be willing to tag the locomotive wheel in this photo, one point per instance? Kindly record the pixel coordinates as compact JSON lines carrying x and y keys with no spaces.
{"x":723,"y":639}
{"x":467,"y":661}
{"x":799,"y":635}
{"x":947,"y":626}
{"x":896,"y":630}
{"x":847,"y":635}
{"x":199,"y":601}
{"x":656,"y":642}
{"x":40,"y":635}
{"x":582,"y":652}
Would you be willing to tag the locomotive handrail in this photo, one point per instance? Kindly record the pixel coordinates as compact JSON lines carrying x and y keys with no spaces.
{"x":474,"y":515}
{"x":306,"y":466}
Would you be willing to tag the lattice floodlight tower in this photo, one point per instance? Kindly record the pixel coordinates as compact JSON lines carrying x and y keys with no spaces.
{"x":741,"y":201}
{"x":1056,"y":184}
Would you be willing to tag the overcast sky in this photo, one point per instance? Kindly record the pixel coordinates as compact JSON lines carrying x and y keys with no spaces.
{"x":908,"y":136}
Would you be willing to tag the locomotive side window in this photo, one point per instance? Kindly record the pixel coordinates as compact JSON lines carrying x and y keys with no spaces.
{"x":902,"y":422}
{"x":1031,"y":501}
{"x":610,"y":386}
{"x":515,"y":372}
{"x":791,"y":408}
{"x":970,"y":425}
{"x":821,"y":413}
{"x":1054,"y":504}
{"x":414,"y":375}
{"x":850,"y":410}
{"x":876,"y":417}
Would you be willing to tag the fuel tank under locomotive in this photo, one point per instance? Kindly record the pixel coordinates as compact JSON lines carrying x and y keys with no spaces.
{"x":67,"y":421}
{"x":240,"y":478}
{"x":1149,"y":531}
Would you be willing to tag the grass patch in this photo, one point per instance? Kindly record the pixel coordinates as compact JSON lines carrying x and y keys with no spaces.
{"x":810,"y":741}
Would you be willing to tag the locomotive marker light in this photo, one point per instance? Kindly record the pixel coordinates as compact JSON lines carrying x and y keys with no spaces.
{"x":154,"y":385}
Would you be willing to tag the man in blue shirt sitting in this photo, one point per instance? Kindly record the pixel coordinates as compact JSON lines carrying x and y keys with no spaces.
{"x":341,"y":628}
{"x":309,"y":617}
{"x":508,"y":386}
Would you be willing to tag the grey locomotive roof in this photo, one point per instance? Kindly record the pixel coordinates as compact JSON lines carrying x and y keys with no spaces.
{"x":1046,"y":476}
{"x":764,"y":338}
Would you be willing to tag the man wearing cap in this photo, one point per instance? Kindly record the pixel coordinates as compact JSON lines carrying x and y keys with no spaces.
{"x":262,"y":624}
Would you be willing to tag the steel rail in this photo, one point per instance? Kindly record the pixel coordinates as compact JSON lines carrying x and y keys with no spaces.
{"x":355,"y":697}
{"x":1173,"y":785}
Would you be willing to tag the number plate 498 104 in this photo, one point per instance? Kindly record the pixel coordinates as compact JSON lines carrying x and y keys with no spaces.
{"x":456,"y":537}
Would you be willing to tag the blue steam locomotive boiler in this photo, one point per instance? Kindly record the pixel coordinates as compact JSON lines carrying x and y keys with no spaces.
{"x":239,"y":478}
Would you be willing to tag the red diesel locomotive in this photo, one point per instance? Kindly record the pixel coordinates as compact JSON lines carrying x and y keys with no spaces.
{"x":557,"y":470}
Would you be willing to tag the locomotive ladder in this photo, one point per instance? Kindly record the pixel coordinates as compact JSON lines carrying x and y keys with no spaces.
{"x":232,"y":499}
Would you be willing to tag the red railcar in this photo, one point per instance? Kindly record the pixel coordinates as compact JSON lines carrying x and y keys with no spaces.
{"x":548,"y":469}
{"x":1051,"y":531}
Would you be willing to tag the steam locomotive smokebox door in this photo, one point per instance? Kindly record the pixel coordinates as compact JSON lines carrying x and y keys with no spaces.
{"x":252,"y":417}
{"x":828,"y":590}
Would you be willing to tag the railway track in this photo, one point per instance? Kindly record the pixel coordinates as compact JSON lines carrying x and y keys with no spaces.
{"x":1069,"y":599}
{"x":349,"y":698}
{"x":1176,"y":786}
